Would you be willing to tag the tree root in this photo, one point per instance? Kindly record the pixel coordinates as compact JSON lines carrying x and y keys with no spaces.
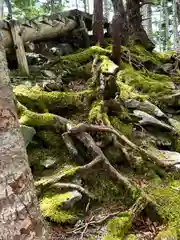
{"x":73,"y":186}
{"x":93,"y":128}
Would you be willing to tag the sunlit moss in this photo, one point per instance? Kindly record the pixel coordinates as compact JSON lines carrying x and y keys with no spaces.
{"x":142,"y":85}
{"x":51,"y":208}
{"x":33,"y":98}
{"x":86,"y":55}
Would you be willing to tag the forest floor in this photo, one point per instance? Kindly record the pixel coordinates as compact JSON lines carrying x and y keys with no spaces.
{"x":103,"y":143}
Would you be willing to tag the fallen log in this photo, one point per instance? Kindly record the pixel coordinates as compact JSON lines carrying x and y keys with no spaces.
{"x":32,"y":30}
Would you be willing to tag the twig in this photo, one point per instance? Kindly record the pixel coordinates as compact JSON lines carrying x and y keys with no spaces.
{"x":95,"y":222}
{"x":86,"y":226}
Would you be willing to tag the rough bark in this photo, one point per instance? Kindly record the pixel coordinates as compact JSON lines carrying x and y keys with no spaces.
{"x":20,"y":216}
{"x":116,"y":36}
{"x":39,"y":31}
{"x":136,"y":29}
{"x":98,"y":29}
{"x":123,"y":22}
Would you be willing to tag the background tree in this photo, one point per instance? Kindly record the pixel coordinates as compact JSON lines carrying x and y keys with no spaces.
{"x":98,"y":28}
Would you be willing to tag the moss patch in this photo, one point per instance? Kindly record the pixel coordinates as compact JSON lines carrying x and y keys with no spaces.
{"x":168,"y":234}
{"x":167,"y":197}
{"x":124,"y":128}
{"x":142,"y":85}
{"x":51,"y":208}
{"x":50,"y":138}
{"x":118,"y":227}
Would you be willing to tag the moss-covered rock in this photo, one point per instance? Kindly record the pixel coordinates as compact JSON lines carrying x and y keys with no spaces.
{"x":107,"y":66}
{"x":51,"y":208}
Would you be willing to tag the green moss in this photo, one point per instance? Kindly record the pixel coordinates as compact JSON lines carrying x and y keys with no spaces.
{"x":142,"y":85}
{"x":50,"y":138}
{"x":124,"y":128}
{"x":86,"y":55}
{"x":65,"y":170}
{"x":165,"y":56}
{"x":96,"y":113}
{"x":168,"y":201}
{"x":33,"y":97}
{"x":118,"y":227}
{"x":36,"y":120}
{"x":131,"y":237}
{"x":143,"y":55}
{"x":51,"y":208}
{"x":168,"y":234}
{"x":107,"y":66}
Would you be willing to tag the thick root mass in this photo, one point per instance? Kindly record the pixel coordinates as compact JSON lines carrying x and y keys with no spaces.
{"x":115,"y":141}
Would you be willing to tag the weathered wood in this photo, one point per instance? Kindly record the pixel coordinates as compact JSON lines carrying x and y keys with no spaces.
{"x":19,"y":46}
{"x":38,"y":31}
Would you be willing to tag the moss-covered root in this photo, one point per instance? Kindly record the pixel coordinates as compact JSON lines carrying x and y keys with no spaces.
{"x":86,"y":55}
{"x":97,"y":113}
{"x":41,"y":120}
{"x":139,"y":205}
{"x":118,"y":227}
{"x":168,"y":234}
{"x":40,"y":101}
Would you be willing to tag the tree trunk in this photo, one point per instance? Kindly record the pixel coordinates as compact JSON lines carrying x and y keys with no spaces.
{"x":178,"y":11}
{"x":136,"y":29}
{"x":166,"y":27}
{"x":106,"y":9}
{"x":147,"y":19}
{"x":116,"y":37}
{"x":175,"y":26}
{"x":20,"y":216}
{"x":39,"y":31}
{"x":119,"y":10}
{"x":98,"y":28}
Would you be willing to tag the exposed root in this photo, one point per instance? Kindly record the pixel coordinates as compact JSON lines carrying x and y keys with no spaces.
{"x":145,"y":154}
{"x":74,"y":186}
